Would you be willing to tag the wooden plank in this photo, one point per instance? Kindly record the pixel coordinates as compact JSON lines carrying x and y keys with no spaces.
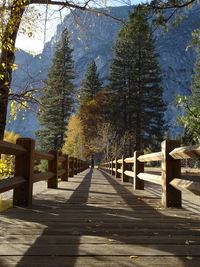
{"x":61,"y":172}
{"x":11,"y":149}
{"x":100,"y":249}
{"x":151,"y":157}
{"x":129,"y":160}
{"x":119,"y":161}
{"x":61,"y":158}
{"x":129,"y":173}
{"x":186,"y":152}
{"x":42,"y":176}
{"x":186,"y":185}
{"x":156,"y":179}
{"x":94,"y":220}
{"x":99,"y":261}
{"x":11,"y":183}
{"x":119,"y":170}
{"x":43,"y":156}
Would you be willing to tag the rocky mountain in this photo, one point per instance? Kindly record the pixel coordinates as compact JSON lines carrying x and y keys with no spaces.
{"x":93,"y":38}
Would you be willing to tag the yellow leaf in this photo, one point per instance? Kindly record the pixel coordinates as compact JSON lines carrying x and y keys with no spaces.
{"x":134,"y":257}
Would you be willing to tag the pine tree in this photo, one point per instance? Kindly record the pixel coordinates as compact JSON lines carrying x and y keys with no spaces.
{"x":135,"y":97}
{"x":90,"y":84}
{"x":58,"y":99}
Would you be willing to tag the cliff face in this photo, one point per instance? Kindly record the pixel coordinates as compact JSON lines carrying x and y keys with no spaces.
{"x":92,"y":38}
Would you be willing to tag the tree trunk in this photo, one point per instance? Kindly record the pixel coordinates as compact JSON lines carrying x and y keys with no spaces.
{"x":7,"y":59}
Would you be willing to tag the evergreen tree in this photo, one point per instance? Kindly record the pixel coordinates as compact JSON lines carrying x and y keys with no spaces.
{"x":191,"y":104}
{"x":135,"y":105}
{"x":58,"y":98}
{"x":90,"y":84}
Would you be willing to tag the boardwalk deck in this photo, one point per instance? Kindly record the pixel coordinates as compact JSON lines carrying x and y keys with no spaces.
{"x":94,"y":220}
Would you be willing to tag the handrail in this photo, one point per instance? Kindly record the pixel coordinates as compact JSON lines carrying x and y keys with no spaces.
{"x":11,"y":183}
{"x":168,"y":175}
{"x":43,"y":156}
{"x":11,"y":149}
{"x":186,"y":152}
{"x":151,"y":157}
{"x":24,"y":176}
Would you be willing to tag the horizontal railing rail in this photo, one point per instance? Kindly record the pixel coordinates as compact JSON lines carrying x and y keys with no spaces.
{"x":168,"y":176}
{"x":24,"y":177}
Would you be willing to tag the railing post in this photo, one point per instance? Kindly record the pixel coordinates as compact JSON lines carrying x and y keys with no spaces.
{"x":71,"y":167}
{"x":75,"y":166}
{"x":53,"y":167}
{"x":125,"y":178}
{"x":117,"y":175}
{"x":171,"y":168}
{"x":65,"y":165}
{"x":138,"y":167}
{"x":24,"y":165}
{"x":112,"y":166}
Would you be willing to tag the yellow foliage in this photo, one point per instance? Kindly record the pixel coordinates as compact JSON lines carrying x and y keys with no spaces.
{"x":7,"y":161}
{"x":75,"y":144}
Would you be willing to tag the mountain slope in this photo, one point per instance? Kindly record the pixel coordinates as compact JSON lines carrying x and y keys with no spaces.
{"x":93,"y":39}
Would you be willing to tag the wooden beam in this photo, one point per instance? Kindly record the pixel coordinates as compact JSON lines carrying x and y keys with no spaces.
{"x":186,"y":185}
{"x":124,"y":167}
{"x":138,"y":167}
{"x":53,"y":167}
{"x":129,"y":160}
{"x":156,"y":179}
{"x":24,"y":165}
{"x":129,"y":173}
{"x":171,"y":197}
{"x":42,"y":176}
{"x":43,"y":156}
{"x":186,"y":152}
{"x":65,"y":165}
{"x":151,"y":157}
{"x":61,"y":172}
{"x":11,"y":149}
{"x":11,"y":183}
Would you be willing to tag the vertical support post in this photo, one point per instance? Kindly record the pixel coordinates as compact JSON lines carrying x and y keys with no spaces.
{"x":72,"y":166}
{"x":24,"y":164}
{"x":138,"y":167}
{"x":117,"y":165}
{"x":112,"y":166}
{"x":75,"y":166}
{"x":65,"y":165}
{"x":171,"y":168}
{"x":53,"y":167}
{"x":124,"y":177}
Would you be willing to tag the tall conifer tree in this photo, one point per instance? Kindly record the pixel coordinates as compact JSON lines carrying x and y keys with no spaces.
{"x":58,"y":98}
{"x":135,"y":97}
{"x":91,"y":84}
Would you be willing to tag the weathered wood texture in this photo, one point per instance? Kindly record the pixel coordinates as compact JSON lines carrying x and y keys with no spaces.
{"x":94,"y":220}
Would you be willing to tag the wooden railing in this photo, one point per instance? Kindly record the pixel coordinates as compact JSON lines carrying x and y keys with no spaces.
{"x":170,"y":177}
{"x":24,"y":176}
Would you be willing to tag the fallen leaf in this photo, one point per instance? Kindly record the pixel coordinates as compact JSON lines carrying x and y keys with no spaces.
{"x":189,"y":258}
{"x":134,"y":257}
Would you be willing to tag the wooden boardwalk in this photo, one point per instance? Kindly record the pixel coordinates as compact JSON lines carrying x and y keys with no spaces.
{"x":94,"y":220}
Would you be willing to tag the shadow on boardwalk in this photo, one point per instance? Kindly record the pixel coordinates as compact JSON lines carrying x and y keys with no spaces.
{"x":98,"y":221}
